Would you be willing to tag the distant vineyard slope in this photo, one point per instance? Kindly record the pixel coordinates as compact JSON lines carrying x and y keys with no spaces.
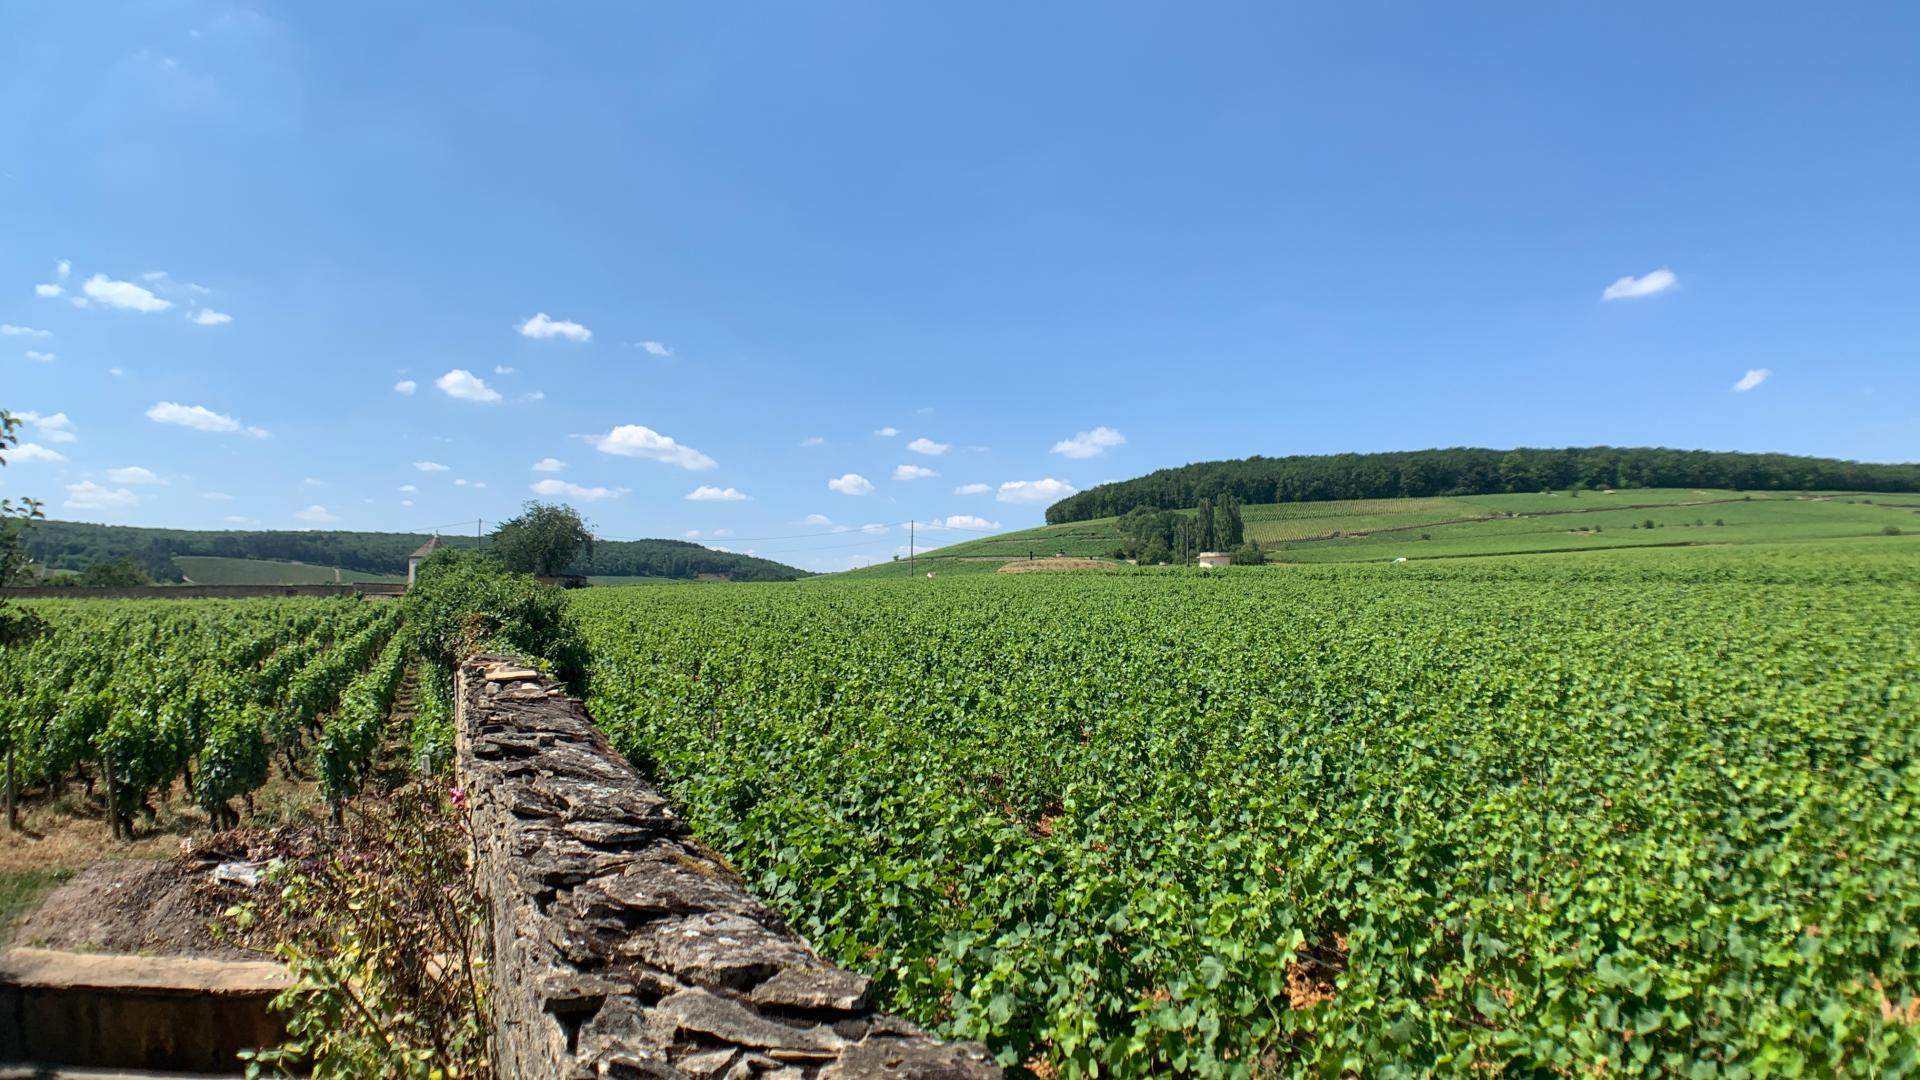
{"x":1415,"y":474}
{"x":74,"y":545}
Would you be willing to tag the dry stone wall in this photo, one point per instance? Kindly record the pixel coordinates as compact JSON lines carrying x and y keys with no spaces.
{"x":621,"y":947}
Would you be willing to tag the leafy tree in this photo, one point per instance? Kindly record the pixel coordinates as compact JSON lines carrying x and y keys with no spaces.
{"x":1249,"y":554}
{"x":113,"y":574}
{"x":464,"y":600}
{"x":14,"y":519}
{"x":546,"y":538}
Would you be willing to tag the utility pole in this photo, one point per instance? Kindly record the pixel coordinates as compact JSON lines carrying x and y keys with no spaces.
{"x":476,"y":533}
{"x":910,"y":566}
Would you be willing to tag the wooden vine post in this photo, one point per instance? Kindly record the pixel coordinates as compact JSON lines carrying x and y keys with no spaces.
{"x":13,"y":810}
{"x":113,"y":796}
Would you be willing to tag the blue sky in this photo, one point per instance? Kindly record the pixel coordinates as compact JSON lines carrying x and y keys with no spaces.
{"x":1049,"y":245}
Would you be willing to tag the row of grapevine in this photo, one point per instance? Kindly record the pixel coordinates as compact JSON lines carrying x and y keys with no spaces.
{"x":136,"y":695}
{"x":1585,"y":816}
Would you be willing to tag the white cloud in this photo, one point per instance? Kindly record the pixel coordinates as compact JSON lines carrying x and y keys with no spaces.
{"x":40,"y":357}
{"x":816,"y":519}
{"x":406,"y":502}
{"x":1633,"y":288}
{"x":1088,"y":444}
{"x":886,"y":432}
{"x":465,"y":385}
{"x":405,"y":386}
{"x":133,"y":474}
{"x":967,"y":521}
{"x":313,"y":481}
{"x":638,"y":440}
{"x":912,"y":472}
{"x":48,"y":290}
{"x":549,"y":464}
{"x":199,"y":418}
{"x":657,"y":348}
{"x":851,"y":484}
{"x":123,"y":294}
{"x":929,"y":447}
{"x":502,"y":369}
{"x":317,"y":514}
{"x":462,"y":482}
{"x":541,"y":327}
{"x":216,"y":496}
{"x":430,"y":466}
{"x":873,"y":529}
{"x":116,"y":372}
{"x":709,"y":493}
{"x":27,"y":451}
{"x":562,"y":489}
{"x":87,"y":495}
{"x":407,"y":489}
{"x":973,"y":489}
{"x":10,"y":330}
{"x":210,"y":317}
{"x":1751,"y":379}
{"x":812,"y":440}
{"x":53,"y":428}
{"x":62,"y":268}
{"x":537,"y":395}
{"x":1034,"y":491}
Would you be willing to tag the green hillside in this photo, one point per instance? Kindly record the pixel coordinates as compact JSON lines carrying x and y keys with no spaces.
{"x":76,"y":545}
{"x":215,"y":570}
{"x":1385,"y":529}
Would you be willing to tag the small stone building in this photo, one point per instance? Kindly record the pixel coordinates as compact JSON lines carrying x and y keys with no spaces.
{"x":419,"y":556}
{"x":1215,"y":558}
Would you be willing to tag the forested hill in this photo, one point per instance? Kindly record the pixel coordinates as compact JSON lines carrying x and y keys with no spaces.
{"x":74,"y":545}
{"x":1474,"y":471}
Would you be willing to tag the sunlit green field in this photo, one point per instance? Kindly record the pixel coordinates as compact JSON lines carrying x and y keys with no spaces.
{"x":1386,"y":529}
{"x":1644,"y":811}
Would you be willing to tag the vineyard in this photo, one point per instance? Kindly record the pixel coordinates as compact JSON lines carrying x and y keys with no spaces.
{"x":1644,"y":813}
{"x":146,"y":700}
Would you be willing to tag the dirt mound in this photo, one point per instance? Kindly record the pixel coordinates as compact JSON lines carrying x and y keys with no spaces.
{"x":1030,"y":566}
{"x":156,"y":906}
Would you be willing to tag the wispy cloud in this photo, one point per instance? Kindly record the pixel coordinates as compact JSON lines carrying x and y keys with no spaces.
{"x":561,"y":489}
{"x":316,"y":515}
{"x":199,"y":418}
{"x":502,"y":369}
{"x":912,"y":472}
{"x":929,"y":447}
{"x":973,"y":489}
{"x":656,"y":348}
{"x":709,"y":493}
{"x":28,"y":451}
{"x":1088,"y":444}
{"x":540,"y":328}
{"x":851,"y":484}
{"x":886,"y":432}
{"x":640,"y":441}
{"x":1754,"y":377}
{"x":406,"y":386}
{"x":812,"y":440}
{"x":966,"y":521}
{"x":1633,"y":288}
{"x":209,"y":317}
{"x":1034,"y":491}
{"x":87,"y":495}
{"x":816,"y":519}
{"x":123,"y":294}
{"x":55,"y":427}
{"x":133,"y":474}
{"x":549,"y":464}
{"x":40,"y":357}
{"x":430,"y":466}
{"x":10,"y":330}
{"x":465,"y":385}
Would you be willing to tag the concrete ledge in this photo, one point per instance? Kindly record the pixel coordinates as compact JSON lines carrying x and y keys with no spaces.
{"x":620,"y":947}
{"x":135,"y":1012}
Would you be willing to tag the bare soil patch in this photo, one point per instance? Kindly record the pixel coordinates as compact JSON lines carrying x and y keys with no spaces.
{"x":1033,"y":566}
